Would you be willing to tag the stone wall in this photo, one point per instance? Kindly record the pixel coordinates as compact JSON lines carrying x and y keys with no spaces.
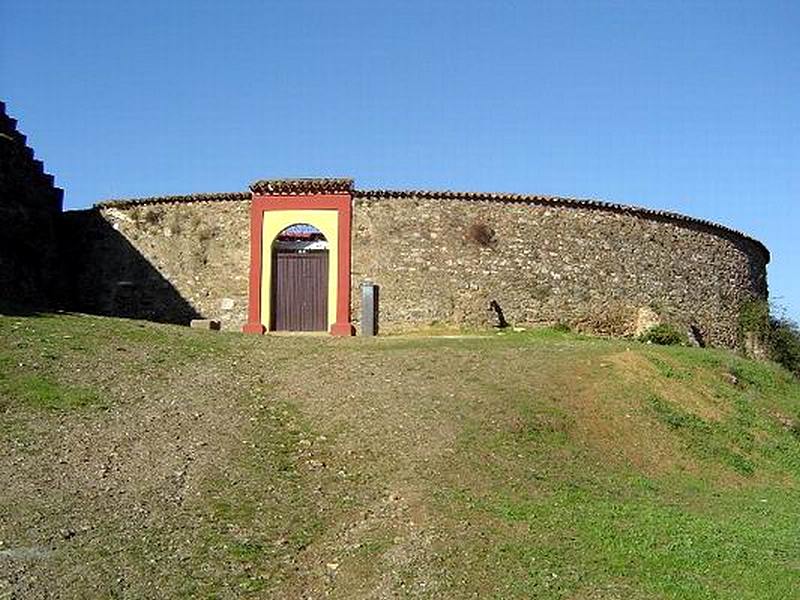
{"x":438,"y":257}
{"x":438,"y":260}
{"x":443,"y":260}
{"x":30,"y":206}
{"x":167,"y":261}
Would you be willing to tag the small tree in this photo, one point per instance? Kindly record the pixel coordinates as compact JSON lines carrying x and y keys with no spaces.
{"x":784,"y":343}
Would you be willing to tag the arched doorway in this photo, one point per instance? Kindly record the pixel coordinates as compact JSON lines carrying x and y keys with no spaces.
{"x":327,"y":205}
{"x":300,"y":271}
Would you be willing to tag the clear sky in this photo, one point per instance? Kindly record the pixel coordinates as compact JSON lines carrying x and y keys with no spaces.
{"x":690,"y":107}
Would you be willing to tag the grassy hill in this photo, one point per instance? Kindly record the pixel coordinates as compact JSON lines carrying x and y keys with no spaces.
{"x":150,"y":461}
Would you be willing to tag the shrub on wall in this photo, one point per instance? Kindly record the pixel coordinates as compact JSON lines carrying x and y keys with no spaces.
{"x":135,"y":215}
{"x":481,"y":234}
{"x":664,"y":334}
{"x":153,"y":215}
{"x":614,"y":320}
{"x":754,"y":318}
{"x":779,"y":336}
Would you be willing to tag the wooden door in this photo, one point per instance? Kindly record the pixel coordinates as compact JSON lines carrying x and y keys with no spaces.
{"x":300,"y":291}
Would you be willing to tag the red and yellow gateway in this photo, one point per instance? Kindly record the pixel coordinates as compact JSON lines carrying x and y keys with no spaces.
{"x":278,"y":206}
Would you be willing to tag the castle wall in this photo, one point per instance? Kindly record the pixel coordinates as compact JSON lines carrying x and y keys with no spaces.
{"x":593,"y":268}
{"x":167,"y":262}
{"x":438,"y":260}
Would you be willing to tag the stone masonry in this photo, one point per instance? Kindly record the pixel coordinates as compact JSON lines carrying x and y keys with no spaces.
{"x":164,"y":261}
{"x":439,"y":258}
{"x":590,"y":266}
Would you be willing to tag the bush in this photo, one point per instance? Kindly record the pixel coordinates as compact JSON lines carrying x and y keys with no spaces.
{"x":664,"y":335}
{"x":784,"y":344}
{"x":562,"y":327}
{"x":754,"y":318}
{"x":482,"y":235}
{"x":153,"y":215}
{"x":614,"y":320}
{"x":780,"y":336}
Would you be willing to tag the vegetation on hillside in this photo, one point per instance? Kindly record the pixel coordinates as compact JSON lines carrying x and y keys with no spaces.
{"x":664,"y":334}
{"x":144,"y":460}
{"x":778,"y":334}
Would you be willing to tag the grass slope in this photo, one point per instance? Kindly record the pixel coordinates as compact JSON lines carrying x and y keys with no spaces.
{"x":149,"y":461}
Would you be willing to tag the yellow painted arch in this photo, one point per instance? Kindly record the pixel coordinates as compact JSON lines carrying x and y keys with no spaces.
{"x":275,"y":221}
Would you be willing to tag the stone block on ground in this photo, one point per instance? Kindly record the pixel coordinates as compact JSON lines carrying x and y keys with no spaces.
{"x":207,"y":324}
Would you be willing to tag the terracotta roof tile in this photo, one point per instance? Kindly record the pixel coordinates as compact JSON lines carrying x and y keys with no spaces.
{"x":302,"y":186}
{"x":345,"y":185}
{"x":209,"y":197}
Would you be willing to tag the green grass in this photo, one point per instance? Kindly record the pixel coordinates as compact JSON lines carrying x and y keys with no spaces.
{"x":742,"y":547}
{"x":669,"y":370}
{"x":532,"y":464}
{"x":39,"y":392}
{"x":20,"y":386}
{"x":707,"y":439}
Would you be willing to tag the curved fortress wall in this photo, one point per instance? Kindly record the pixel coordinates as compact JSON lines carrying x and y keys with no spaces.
{"x":440,"y":258}
{"x":443,"y":258}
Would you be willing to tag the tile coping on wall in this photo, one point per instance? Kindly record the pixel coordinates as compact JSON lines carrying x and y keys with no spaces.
{"x":340,"y":185}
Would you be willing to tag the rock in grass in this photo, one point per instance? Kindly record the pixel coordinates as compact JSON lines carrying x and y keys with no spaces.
{"x":207,"y":324}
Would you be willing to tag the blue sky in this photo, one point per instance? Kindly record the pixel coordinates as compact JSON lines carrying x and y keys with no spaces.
{"x":691,"y":107}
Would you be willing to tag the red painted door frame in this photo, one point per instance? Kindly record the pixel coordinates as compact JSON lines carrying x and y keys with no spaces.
{"x":261,"y":204}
